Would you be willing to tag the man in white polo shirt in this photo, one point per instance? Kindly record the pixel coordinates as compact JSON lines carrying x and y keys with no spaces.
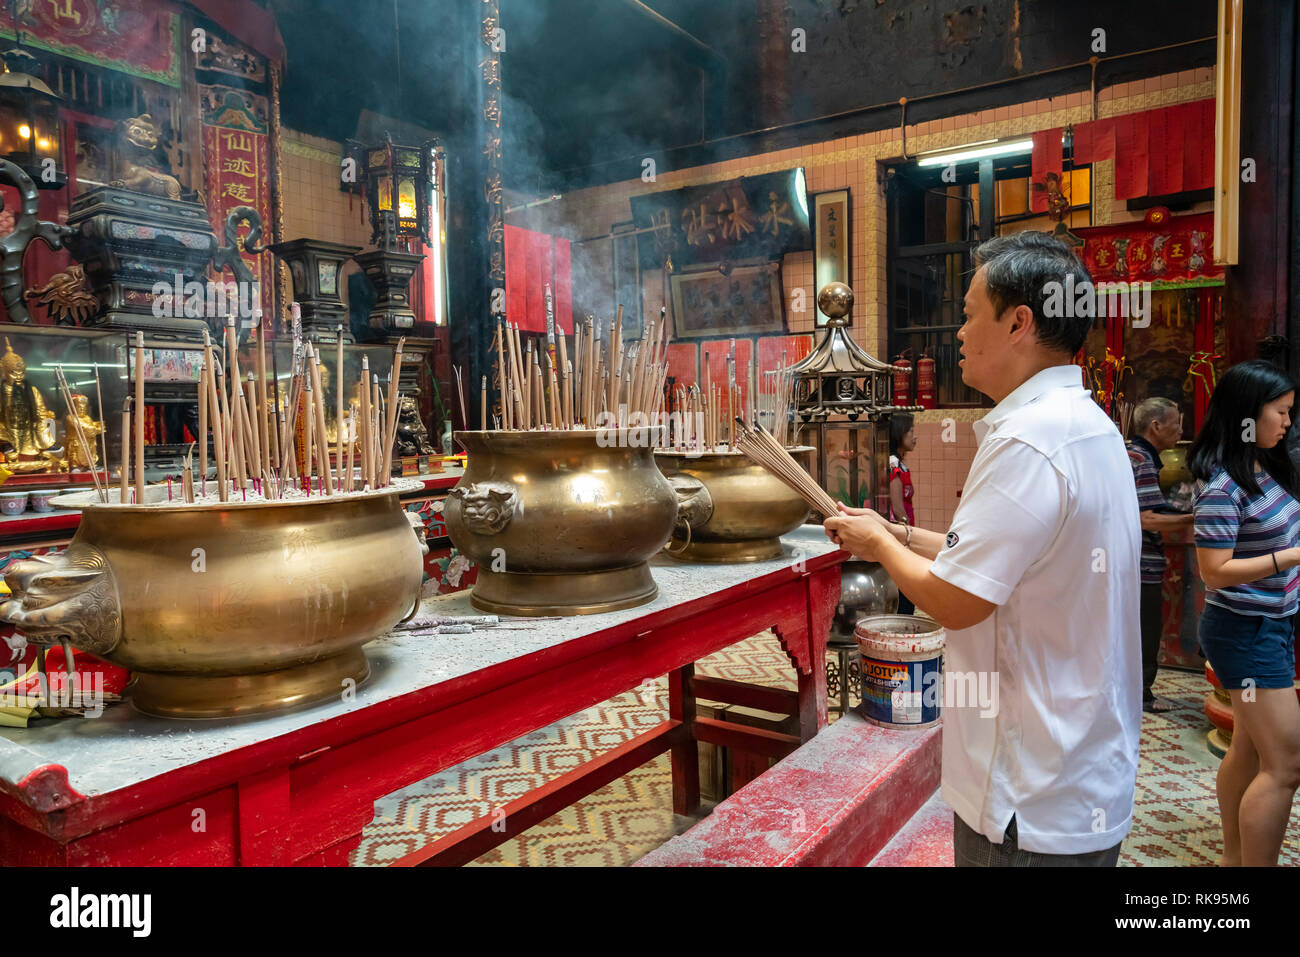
{"x":1036,"y":581}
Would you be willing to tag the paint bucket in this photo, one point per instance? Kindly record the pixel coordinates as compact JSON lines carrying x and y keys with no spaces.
{"x":902,"y":657}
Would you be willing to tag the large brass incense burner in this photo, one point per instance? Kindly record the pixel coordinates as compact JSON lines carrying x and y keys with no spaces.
{"x":226,"y":609}
{"x":729,"y":508}
{"x":561,"y":522}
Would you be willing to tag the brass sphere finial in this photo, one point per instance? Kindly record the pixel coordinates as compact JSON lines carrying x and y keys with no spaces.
{"x":835,"y":300}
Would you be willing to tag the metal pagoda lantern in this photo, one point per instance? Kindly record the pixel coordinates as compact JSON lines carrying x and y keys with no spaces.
{"x":843,"y":401}
{"x":398,"y":181}
{"x":29,"y":121}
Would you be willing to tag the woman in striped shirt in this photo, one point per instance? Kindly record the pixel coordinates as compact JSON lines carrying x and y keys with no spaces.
{"x":1247,"y":522}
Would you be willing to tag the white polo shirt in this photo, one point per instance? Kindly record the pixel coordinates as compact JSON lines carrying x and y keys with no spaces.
{"x":1048,"y":530}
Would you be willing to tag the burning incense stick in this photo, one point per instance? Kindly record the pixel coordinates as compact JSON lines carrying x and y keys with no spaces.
{"x":203,"y":422}
{"x":255,"y":437}
{"x":460,"y":395}
{"x":528,"y":385}
{"x":377,"y":429}
{"x":258,"y":395}
{"x":125,"y":471}
{"x":309,"y":434}
{"x":338,"y":402}
{"x":392,"y":436}
{"x":391,"y":422}
{"x":217,"y":415}
{"x":348,"y":480}
{"x":103,"y":433}
{"x":322,"y":442}
{"x":139,"y":417}
{"x":367,"y":466}
{"x":87,"y":449}
{"x":501,"y":373}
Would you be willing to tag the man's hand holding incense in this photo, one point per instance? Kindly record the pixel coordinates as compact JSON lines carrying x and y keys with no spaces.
{"x":862,"y":531}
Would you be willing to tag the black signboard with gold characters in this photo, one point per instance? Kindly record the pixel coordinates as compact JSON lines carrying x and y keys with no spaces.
{"x":751,"y":217}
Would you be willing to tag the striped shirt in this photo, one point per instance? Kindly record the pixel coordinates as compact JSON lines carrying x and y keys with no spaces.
{"x":1227,"y":516}
{"x":1146,"y":475}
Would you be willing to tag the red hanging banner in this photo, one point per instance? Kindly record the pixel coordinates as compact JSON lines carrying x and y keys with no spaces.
{"x":563,"y":288}
{"x":533,"y":262}
{"x":1159,"y":182}
{"x":1162,"y":249}
{"x":1198,"y":156}
{"x":236,"y":148}
{"x":516,"y":247}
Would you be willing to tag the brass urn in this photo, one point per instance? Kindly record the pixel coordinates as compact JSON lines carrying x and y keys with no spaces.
{"x":561,"y":522}
{"x":226,"y":609}
{"x":729,"y":508}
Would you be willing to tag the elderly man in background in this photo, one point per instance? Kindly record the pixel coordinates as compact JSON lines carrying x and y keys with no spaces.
{"x":1157,"y":426}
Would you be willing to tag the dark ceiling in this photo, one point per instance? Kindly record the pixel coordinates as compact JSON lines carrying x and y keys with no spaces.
{"x":594,"y":86}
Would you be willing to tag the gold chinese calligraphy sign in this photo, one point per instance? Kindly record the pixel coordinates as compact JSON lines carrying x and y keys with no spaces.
{"x":831,"y":241}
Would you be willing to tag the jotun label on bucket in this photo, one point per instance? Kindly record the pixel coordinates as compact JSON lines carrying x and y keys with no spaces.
{"x":901,"y":693}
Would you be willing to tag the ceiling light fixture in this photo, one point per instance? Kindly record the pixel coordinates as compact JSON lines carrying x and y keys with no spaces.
{"x":973,"y":151}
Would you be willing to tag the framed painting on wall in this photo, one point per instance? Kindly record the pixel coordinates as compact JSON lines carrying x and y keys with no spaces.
{"x":743,"y":301}
{"x":831,"y":241}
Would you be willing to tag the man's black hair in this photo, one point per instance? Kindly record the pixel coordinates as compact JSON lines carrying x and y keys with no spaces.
{"x":1023,"y":269}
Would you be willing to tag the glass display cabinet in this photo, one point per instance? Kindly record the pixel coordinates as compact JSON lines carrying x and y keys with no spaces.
{"x":49,"y":437}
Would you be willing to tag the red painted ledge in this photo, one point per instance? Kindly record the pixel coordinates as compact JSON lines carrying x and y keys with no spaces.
{"x":836,"y":801}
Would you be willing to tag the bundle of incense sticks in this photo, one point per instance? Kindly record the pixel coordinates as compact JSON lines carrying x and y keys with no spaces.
{"x":705,"y":412}
{"x":757,"y":443}
{"x":781,"y":403}
{"x":543,"y":387}
{"x":257,"y":445}
{"x":101,"y":488}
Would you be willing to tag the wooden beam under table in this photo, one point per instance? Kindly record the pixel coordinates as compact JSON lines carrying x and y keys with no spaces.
{"x":480,"y":836}
{"x":728,"y":691}
{"x":728,"y":734}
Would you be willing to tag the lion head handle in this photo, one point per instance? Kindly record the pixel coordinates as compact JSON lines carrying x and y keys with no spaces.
{"x":486,"y":507}
{"x":70,"y":597}
{"x":694,"y":503}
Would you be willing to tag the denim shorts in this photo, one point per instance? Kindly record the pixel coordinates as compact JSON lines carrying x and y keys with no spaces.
{"x":1246,"y":649}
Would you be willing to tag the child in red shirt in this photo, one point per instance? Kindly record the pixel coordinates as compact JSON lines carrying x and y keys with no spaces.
{"x":902,"y":439}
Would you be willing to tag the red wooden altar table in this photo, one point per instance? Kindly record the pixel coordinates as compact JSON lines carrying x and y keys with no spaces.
{"x":299,"y":788}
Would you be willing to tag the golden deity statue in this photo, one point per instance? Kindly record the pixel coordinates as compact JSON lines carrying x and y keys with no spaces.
{"x":75,"y":455}
{"x":26,"y":426}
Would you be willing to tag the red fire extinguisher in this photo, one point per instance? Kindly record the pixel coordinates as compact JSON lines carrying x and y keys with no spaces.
{"x":925,"y":383}
{"x":903,"y":379}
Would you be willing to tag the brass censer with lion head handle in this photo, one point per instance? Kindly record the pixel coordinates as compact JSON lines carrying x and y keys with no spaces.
{"x":226,"y":608}
{"x":561,"y":522}
{"x":730,"y":509}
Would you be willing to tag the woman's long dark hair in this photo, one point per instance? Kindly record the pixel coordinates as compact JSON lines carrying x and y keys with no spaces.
{"x":1240,"y":395}
{"x":900,"y":423}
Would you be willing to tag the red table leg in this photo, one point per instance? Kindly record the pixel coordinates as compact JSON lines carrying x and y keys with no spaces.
{"x":806,"y":646}
{"x":685,"y":753}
